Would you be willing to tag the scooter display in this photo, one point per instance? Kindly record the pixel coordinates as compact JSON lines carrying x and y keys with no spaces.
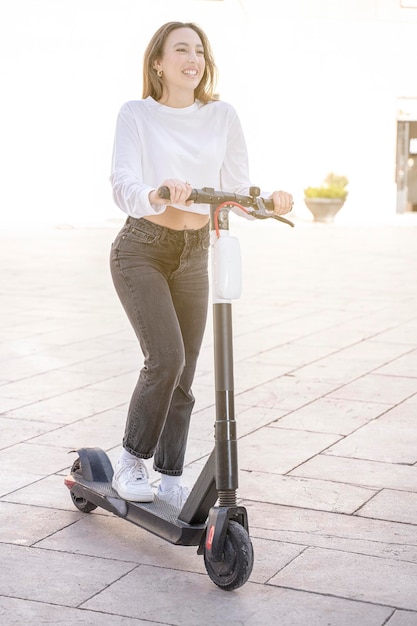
{"x":210,"y":518}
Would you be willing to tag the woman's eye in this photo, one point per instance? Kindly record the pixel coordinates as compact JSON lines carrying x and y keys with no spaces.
{"x":199,"y":52}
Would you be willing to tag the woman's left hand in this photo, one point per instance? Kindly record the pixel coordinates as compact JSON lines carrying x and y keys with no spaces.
{"x":283,"y":202}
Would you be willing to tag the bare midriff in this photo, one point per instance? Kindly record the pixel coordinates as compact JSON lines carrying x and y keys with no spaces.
{"x":179,"y":220}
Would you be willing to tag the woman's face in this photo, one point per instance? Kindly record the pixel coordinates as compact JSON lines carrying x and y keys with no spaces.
{"x":182,"y":61}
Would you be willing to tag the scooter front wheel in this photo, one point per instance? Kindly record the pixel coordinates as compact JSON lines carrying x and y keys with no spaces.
{"x":79,"y":502}
{"x":236,"y":565}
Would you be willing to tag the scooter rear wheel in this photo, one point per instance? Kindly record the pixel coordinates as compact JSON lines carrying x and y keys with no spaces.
{"x":236,"y":566}
{"x":79,"y":502}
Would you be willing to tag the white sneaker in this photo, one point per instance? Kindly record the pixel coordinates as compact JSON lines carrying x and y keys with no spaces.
{"x":130,"y":480}
{"x":175,"y":496}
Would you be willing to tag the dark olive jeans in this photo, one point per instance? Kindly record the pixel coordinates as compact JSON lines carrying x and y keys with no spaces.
{"x":161,"y":278}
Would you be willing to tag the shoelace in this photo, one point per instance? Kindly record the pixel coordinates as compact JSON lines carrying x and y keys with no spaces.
{"x":138,"y":471}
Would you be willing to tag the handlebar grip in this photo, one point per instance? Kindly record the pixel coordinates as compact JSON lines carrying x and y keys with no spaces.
{"x":163,"y":192}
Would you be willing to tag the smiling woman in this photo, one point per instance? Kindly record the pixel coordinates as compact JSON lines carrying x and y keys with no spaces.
{"x":177,"y":134}
{"x":179,"y":51}
{"x":181,"y":67}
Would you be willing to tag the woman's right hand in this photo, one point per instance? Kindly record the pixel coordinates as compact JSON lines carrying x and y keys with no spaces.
{"x":179,"y":192}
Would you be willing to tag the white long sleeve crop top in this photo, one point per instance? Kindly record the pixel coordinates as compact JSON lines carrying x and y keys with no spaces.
{"x":202,"y":144}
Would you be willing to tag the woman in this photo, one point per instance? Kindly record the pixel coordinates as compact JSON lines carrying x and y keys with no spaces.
{"x":178,"y":136}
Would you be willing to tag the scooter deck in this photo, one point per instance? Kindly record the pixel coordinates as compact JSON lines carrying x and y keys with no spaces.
{"x":157,"y":517}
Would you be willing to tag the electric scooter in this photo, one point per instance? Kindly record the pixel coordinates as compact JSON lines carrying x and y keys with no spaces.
{"x":210,"y":518}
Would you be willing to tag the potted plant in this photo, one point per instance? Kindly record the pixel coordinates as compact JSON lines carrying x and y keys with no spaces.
{"x":325,"y":201}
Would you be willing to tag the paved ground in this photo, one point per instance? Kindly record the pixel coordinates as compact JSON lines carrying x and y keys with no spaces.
{"x":326,"y":385}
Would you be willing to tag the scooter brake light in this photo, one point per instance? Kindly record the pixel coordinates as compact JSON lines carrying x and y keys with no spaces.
{"x":69,"y":481}
{"x":209,"y":541}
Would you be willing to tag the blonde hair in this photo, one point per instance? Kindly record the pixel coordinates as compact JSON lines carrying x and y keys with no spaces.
{"x":152,"y":83}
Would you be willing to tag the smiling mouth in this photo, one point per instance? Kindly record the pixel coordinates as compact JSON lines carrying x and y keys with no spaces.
{"x":191,"y":73}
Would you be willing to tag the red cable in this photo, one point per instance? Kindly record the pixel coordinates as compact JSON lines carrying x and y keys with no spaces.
{"x":221,"y":206}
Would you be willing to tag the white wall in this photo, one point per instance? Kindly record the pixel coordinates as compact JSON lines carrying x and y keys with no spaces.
{"x":316,"y":84}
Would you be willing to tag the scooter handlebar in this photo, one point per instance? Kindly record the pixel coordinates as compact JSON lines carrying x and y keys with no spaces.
{"x":261,"y":208}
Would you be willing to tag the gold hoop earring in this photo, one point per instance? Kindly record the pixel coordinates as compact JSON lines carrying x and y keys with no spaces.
{"x":159,"y":72}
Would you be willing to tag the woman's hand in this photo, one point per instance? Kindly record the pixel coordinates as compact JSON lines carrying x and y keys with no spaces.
{"x":283,"y":202}
{"x":179,"y":192}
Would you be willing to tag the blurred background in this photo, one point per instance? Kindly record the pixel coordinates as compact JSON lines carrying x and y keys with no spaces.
{"x":320,"y":86}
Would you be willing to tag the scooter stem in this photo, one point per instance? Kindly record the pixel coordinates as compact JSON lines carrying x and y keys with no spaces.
{"x":226,"y":461}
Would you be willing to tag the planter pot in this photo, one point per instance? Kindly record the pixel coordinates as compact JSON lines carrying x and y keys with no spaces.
{"x":324,"y":209}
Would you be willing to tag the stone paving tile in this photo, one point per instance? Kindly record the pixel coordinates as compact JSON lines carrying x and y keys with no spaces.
{"x":15,"y":431}
{"x":48,"y":492}
{"x":67,"y":579}
{"x":18,"y":342}
{"x":376,"y":350}
{"x":8,"y":404}
{"x":302,"y":492}
{"x":351,"y":362}
{"x":403,"y":618}
{"x":204,"y":396}
{"x":15,"y":612}
{"x":376,"y":319}
{"x":257,"y":606}
{"x":281,"y":449}
{"x":28,"y":463}
{"x":392,"y":505}
{"x":110,"y":537}
{"x":29,"y":457}
{"x":248,"y":420}
{"x":411,"y":400}
{"x":405,"y":365}
{"x":104,"y":366}
{"x":248,"y":346}
{"x":197,"y":449}
{"x":14,"y":369}
{"x":358,"y":535}
{"x":293,"y":354}
{"x":373,"y":474}
{"x":34,"y":524}
{"x":406,"y":333}
{"x":69,"y":407}
{"x":349,"y":575}
{"x":251,"y":373}
{"x":81,"y":325}
{"x":286,"y":392}
{"x":270,"y":557}
{"x":11,"y":481}
{"x":336,"y":338}
{"x":328,"y":415}
{"x":95,"y":354}
{"x":123,"y":384}
{"x":43,"y":386}
{"x":337,"y":369}
{"x":378,"y":388}
{"x":102,"y":430}
{"x":392,"y":438}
